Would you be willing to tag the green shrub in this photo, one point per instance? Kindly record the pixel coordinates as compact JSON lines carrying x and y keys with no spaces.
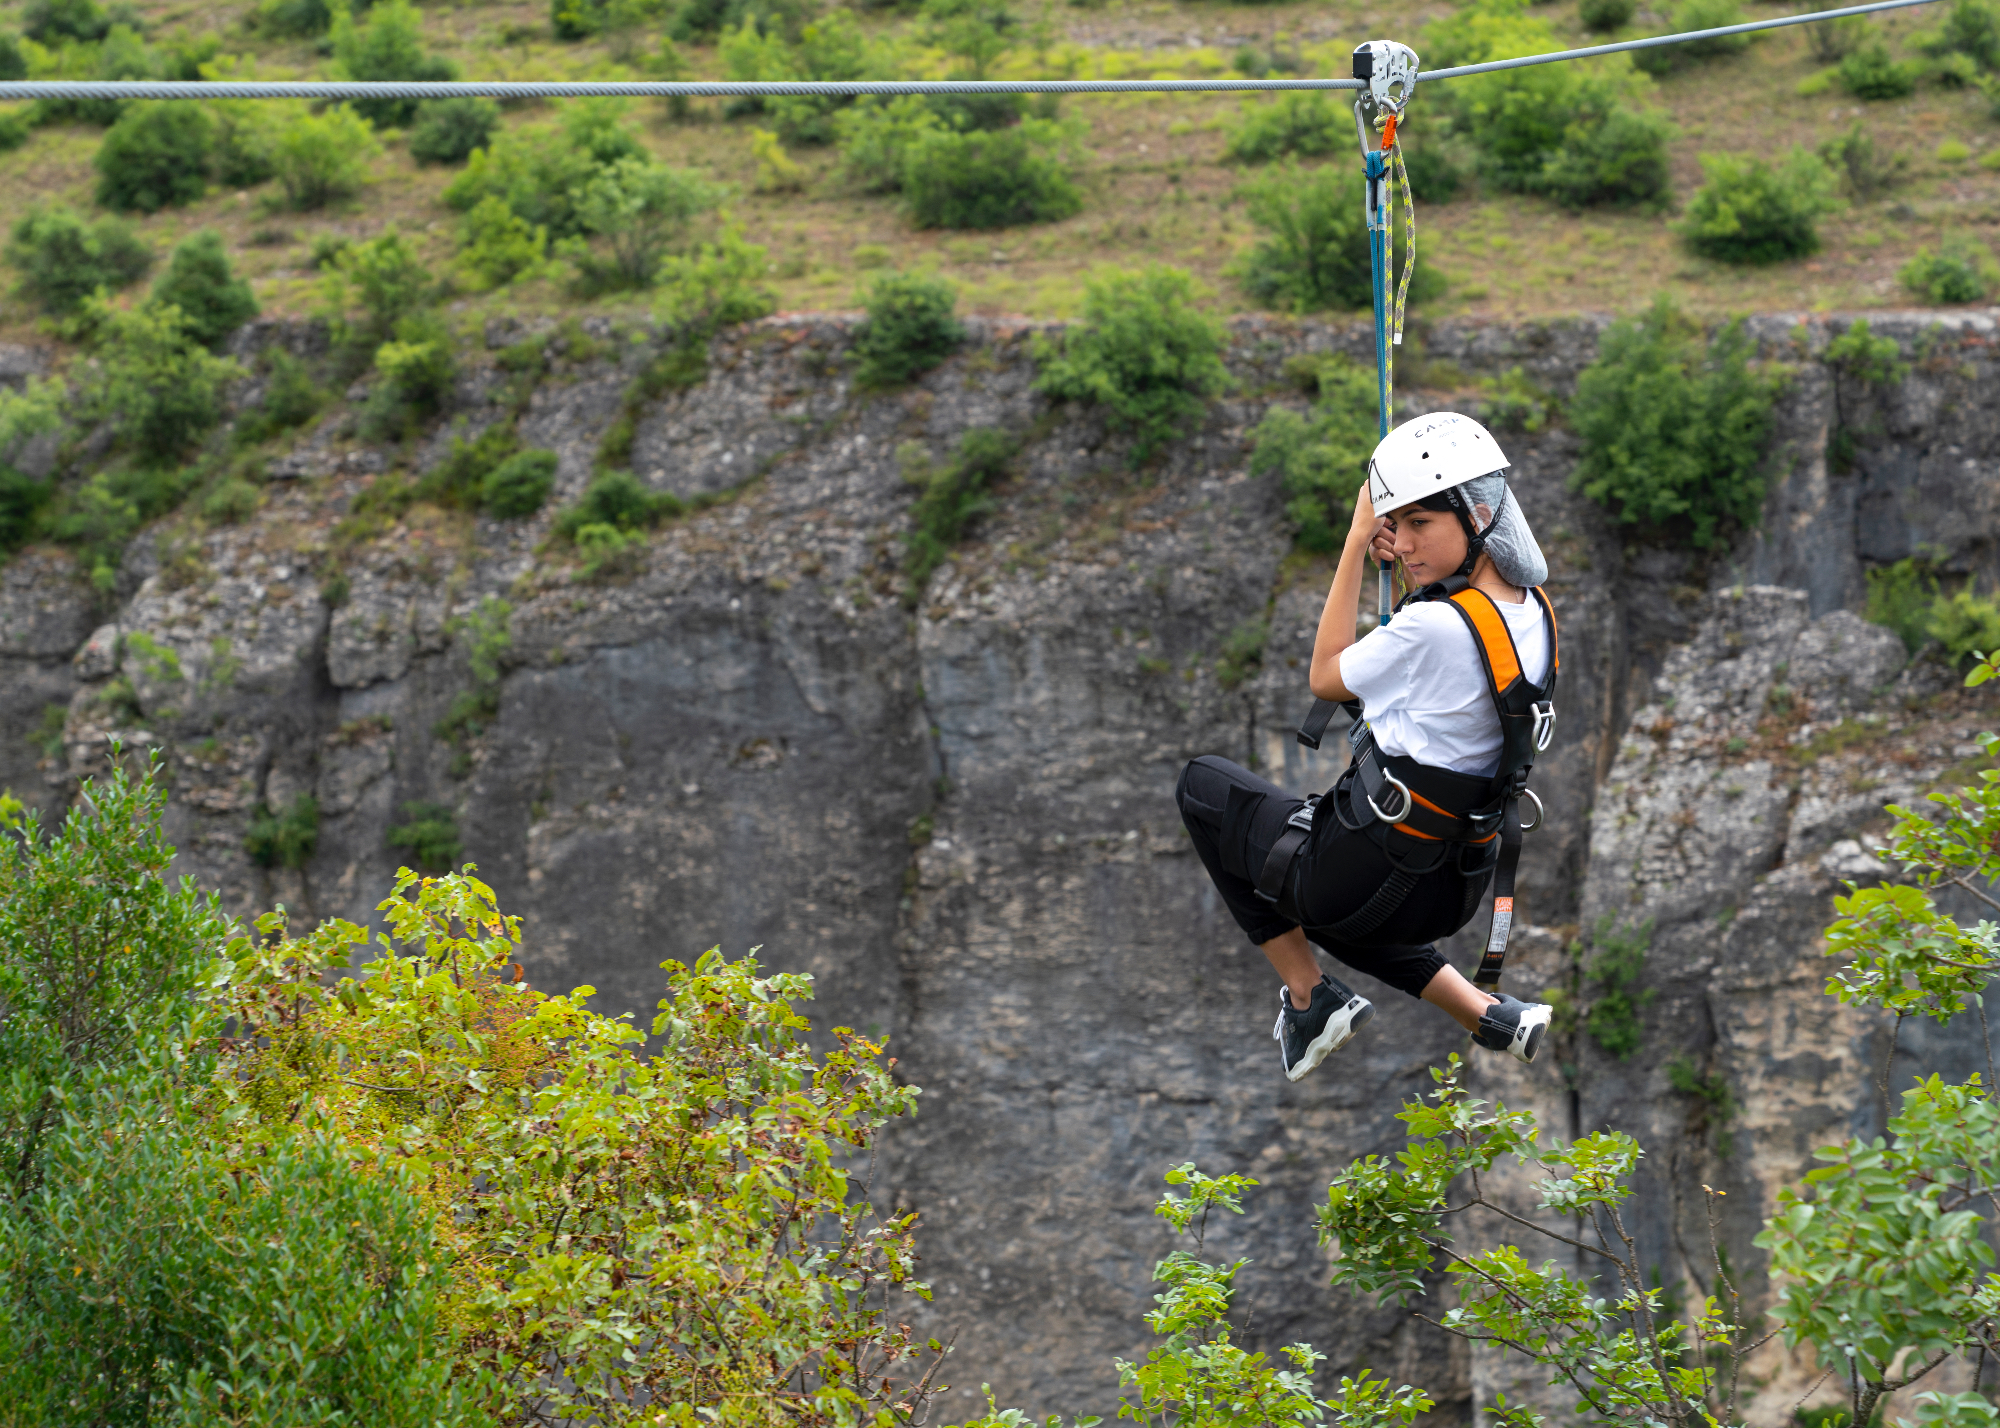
{"x":374,"y":285}
{"x":50,"y":22}
{"x":910,"y":328}
{"x":1870,"y":73}
{"x":541,"y":173}
{"x":1605,"y":16}
{"x":16,"y":127}
{"x":1862,"y":170}
{"x":156,"y":156}
{"x":1435,"y":175}
{"x":1831,"y":41}
{"x":121,"y":55}
{"x":1674,"y":426}
{"x":714,"y":285}
{"x":617,"y":499}
{"x":1971,"y":28}
{"x":293,"y":19}
{"x":1321,"y":458}
{"x":154,"y":383}
{"x":429,"y":835}
{"x":1751,"y":211}
{"x":636,"y":210}
{"x":1513,"y":403}
{"x":497,"y":245}
{"x":1967,"y":625}
{"x":284,"y":840}
{"x":290,"y":400}
{"x":605,"y":550}
{"x":1901,"y":598}
{"x":990,"y":180}
{"x":388,"y":47}
{"x":1142,"y":352}
{"x":1618,"y":971}
{"x":319,"y":158}
{"x":231,"y":503}
{"x":459,"y":478}
{"x":832,"y":46}
{"x":1961,"y":270}
{"x":1692,"y":15}
{"x":520,"y":485}
{"x":245,"y":137}
{"x":416,"y":368}
{"x":1617,"y":160}
{"x":1315,"y":252}
{"x":214,"y":302}
{"x":875,"y":135}
{"x":448,"y":130}
{"x":1303,"y":123}
{"x":13,"y":64}
{"x":949,"y":499}
{"x":22,"y":499}
{"x":62,"y":260}
{"x":1860,"y":354}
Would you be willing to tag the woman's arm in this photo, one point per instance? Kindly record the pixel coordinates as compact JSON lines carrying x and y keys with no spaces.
{"x":1337,"y":620}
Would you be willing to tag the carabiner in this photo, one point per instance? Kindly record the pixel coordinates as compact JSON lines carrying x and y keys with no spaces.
{"x":1540,"y":812}
{"x":1400,"y":787}
{"x":1545,"y":724}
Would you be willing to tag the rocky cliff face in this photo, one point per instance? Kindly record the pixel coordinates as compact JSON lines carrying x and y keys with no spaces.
{"x":959,"y":816}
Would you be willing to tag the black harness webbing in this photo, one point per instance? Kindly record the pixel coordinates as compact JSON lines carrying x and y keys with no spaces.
{"x":1424,"y":798}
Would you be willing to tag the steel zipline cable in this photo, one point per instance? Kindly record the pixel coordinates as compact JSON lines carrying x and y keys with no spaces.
{"x":552,"y":89}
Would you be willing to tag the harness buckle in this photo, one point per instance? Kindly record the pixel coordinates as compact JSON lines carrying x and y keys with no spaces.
{"x":1486,"y":821}
{"x":1540,"y":812}
{"x":1545,"y":723}
{"x":1409,"y":799}
{"x":1302,"y":816}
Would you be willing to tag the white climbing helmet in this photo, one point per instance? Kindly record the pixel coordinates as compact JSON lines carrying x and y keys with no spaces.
{"x":1423,"y":457}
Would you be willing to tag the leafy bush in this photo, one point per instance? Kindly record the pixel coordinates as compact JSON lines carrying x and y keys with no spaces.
{"x":322,"y":157}
{"x":389,"y":47}
{"x":618,"y":500}
{"x":1863,"y":171}
{"x":1858,"y":353}
{"x":293,"y":19}
{"x":1673,"y":426}
{"x":429,"y":834}
{"x":1831,"y":41}
{"x":1605,"y":16}
{"x":290,"y":400}
{"x":990,"y":180}
{"x":1961,"y":270}
{"x":1751,"y":211}
{"x":22,"y":499}
{"x":1435,"y":174}
{"x":16,"y":126}
{"x":1901,"y":597}
{"x":541,"y":173}
{"x":605,"y":550}
{"x":416,"y":368}
{"x":1315,"y":254}
{"x":232,"y":502}
{"x":519,"y":485}
{"x":1321,"y":458}
{"x":1306,"y":123}
{"x":121,"y":55}
{"x":1971,"y":28}
{"x":153,"y":382}
{"x":832,"y":46}
{"x":284,"y":840}
{"x":245,"y":136}
{"x":448,"y":130}
{"x":459,"y":478}
{"x":62,"y":260}
{"x":497,"y":245}
{"x":910,"y":328}
{"x":213,"y":301}
{"x":1967,"y":625}
{"x":949,"y":499}
{"x":374,"y":285}
{"x":876,"y":134}
{"x":1142,"y":352}
{"x":1870,"y":73}
{"x":156,"y":156}
{"x":50,"y":22}
{"x":637,"y":209}
{"x":1692,"y":15}
{"x":715,"y":285}
{"x":1616,"y":160}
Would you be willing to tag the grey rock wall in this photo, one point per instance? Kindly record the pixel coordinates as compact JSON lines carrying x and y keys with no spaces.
{"x":958,"y":814}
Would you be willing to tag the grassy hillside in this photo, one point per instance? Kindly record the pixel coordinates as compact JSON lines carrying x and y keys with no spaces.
{"x":1152,"y":177}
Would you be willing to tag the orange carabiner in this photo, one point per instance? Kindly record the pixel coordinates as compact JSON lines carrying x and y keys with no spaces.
{"x":1389,"y":133}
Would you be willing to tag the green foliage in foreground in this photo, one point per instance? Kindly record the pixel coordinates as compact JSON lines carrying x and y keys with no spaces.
{"x":1674,"y":426}
{"x":1142,"y":353}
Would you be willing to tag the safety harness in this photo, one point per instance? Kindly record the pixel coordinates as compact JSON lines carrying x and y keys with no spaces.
{"x":1421,"y":816}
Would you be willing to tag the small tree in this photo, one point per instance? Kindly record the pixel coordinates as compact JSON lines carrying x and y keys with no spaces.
{"x":640,"y":210}
{"x":374,"y":285}
{"x":156,"y":156}
{"x":213,"y":301}
{"x":62,"y":260}
{"x":1142,"y":352}
{"x":152,"y":380}
{"x":322,"y":157}
{"x":448,"y":130}
{"x":910,"y":329}
{"x":990,"y":179}
{"x":388,"y":47}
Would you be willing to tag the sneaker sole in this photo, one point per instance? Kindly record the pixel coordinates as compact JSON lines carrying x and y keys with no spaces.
{"x":1340,"y":1029}
{"x":1535,"y":1034}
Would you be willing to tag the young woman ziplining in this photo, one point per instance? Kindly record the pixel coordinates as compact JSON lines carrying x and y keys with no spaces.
{"x":1454,"y":691}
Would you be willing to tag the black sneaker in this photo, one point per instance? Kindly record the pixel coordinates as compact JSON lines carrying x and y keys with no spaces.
{"x":1514,"y":1026}
{"x":1306,"y":1038}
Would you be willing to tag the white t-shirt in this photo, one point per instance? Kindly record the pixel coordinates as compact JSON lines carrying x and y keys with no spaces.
{"x":1423,"y":686}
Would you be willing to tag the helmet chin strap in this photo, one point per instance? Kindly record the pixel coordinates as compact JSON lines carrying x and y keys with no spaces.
{"x":1475,"y":539}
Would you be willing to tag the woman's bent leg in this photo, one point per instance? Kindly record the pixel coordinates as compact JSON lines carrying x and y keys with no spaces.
{"x":1233,"y":818}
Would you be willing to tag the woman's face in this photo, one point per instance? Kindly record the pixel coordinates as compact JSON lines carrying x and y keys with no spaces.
{"x":1431,"y":544}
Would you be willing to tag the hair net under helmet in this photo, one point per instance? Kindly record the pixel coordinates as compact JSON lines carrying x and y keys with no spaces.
{"x":1449,"y":462}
